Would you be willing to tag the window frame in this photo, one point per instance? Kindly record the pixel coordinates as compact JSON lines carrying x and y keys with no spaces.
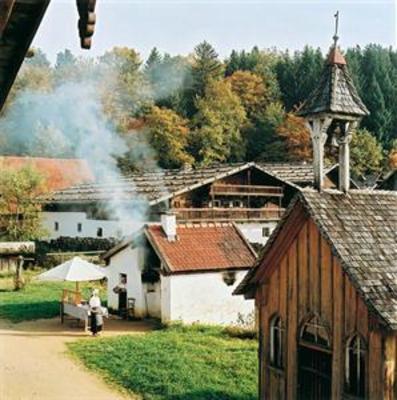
{"x":363,"y":352}
{"x":276,"y":327}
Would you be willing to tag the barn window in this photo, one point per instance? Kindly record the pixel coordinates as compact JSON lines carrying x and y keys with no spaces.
{"x":314,"y":332}
{"x":276,"y":342}
{"x":99,"y":232}
{"x":355,"y":371}
{"x":56,"y":226}
{"x":79,"y":227}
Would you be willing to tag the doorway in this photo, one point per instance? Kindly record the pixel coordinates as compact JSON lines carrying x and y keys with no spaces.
{"x":314,"y":361}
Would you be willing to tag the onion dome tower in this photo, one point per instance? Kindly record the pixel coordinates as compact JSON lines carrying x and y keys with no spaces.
{"x":334,"y":108}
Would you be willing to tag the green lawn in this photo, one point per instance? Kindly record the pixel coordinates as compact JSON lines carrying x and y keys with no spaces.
{"x":178,"y":363}
{"x":37,"y":300}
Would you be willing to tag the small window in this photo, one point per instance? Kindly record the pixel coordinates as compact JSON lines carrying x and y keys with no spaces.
{"x":79,"y":227}
{"x":99,"y":232}
{"x":56,"y":226}
{"x":229,"y":277}
{"x":355,"y":374}
{"x":123,"y":279}
{"x":216,"y":203}
{"x":266,"y":231}
{"x":276,"y":342}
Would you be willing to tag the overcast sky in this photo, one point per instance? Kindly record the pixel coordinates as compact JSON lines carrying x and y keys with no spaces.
{"x":176,"y":26}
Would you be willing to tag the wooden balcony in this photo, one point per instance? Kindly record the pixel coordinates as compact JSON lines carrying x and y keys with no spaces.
{"x":246,"y":190}
{"x":228,"y":214}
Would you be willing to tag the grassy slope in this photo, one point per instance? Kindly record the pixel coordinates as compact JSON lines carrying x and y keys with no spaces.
{"x":179,"y":363}
{"x":36,"y":300}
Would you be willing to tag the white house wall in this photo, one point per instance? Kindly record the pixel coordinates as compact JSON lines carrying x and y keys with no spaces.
{"x":127,"y":262}
{"x":68,"y":225}
{"x":254,"y":232}
{"x":205,"y":298}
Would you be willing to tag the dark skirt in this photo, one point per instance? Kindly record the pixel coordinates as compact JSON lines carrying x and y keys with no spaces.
{"x":96,"y":322}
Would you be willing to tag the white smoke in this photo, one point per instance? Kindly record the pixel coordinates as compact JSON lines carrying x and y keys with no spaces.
{"x":70,"y":121}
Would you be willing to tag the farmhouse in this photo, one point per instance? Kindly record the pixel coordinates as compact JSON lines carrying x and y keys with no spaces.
{"x":253,"y":195}
{"x":325,"y":285}
{"x":181,"y":272}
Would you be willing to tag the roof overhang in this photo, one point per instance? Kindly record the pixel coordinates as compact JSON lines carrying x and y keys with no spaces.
{"x":19,"y":21}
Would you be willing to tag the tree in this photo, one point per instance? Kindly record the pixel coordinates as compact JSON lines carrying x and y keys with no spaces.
{"x":126,"y":92}
{"x":296,"y":138}
{"x":392,"y":156}
{"x":206,"y":67}
{"x":263,"y":142}
{"x":218,"y":123}
{"x":251,"y":91}
{"x":168,"y":135}
{"x":366,"y":153}
{"x":20,"y":207}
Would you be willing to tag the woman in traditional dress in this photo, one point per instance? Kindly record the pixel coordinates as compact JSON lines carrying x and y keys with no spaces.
{"x":96,"y":313}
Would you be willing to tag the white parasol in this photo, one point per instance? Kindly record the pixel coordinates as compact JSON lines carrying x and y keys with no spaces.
{"x":74,"y":270}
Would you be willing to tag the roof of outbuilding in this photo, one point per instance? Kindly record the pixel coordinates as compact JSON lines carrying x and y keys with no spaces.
{"x":58,"y":173}
{"x":361,"y":228}
{"x":335,"y":92}
{"x":161,"y":185}
{"x":202,"y":247}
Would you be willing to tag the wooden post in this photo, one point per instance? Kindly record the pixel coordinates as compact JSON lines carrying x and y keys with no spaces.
{"x":18,"y":274}
{"x":389,"y":368}
{"x":318,"y":131}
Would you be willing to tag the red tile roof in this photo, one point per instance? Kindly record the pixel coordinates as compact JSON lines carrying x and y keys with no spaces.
{"x":202,"y":247}
{"x":59,"y":173}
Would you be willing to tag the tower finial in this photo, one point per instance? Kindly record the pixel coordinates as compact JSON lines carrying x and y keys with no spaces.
{"x":336,"y":37}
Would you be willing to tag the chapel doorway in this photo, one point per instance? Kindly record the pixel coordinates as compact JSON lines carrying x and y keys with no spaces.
{"x":314,"y":361}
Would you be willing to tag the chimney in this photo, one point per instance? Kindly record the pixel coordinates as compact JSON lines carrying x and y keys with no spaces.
{"x":168,"y":223}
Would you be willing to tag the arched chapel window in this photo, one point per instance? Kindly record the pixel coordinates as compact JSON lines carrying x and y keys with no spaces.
{"x":355,"y":370}
{"x":315,"y":332}
{"x":276,"y":342}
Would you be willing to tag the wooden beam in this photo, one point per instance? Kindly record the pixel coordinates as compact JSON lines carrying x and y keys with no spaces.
{"x":6,"y":7}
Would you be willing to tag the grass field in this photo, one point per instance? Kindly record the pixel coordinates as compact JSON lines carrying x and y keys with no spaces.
{"x":178,"y":363}
{"x":37,"y":300}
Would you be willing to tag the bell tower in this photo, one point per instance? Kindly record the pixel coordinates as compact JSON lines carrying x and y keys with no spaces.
{"x":334,"y":108}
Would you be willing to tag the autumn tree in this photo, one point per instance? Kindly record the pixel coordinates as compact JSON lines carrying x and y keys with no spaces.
{"x":126,"y":92}
{"x":251,"y":91}
{"x":366,"y":153}
{"x":218,"y":123}
{"x":296,"y":138}
{"x":392,"y":156}
{"x":20,"y":190}
{"x":169,"y":134}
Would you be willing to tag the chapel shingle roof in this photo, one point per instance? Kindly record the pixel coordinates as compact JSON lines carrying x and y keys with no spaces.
{"x":335,"y":92}
{"x":202,"y":247}
{"x":361,"y":227}
{"x":157,"y":186}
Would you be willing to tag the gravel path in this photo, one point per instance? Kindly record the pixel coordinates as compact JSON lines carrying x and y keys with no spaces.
{"x":34,"y":364}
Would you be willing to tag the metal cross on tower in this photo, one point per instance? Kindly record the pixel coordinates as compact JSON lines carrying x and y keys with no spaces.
{"x":336,"y":37}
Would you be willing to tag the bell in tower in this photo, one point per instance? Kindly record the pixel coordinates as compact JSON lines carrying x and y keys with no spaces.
{"x":334,"y":108}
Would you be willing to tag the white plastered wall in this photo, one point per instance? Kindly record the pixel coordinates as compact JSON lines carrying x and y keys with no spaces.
{"x":127,"y":261}
{"x":204,"y":298}
{"x":68,"y":225}
{"x":253,"y":231}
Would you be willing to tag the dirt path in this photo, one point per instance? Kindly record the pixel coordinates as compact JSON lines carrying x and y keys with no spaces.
{"x":34,"y":365}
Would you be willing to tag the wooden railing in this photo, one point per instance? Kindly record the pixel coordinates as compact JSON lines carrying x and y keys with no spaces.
{"x":71,"y":297}
{"x":246,"y":190}
{"x":228,"y":214}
